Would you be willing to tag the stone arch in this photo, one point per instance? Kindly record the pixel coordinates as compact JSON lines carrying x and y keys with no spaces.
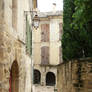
{"x":50,"y":79}
{"x":37,"y":76}
{"x":14,"y":78}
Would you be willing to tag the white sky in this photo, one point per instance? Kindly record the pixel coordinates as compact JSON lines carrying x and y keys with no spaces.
{"x":46,"y":5}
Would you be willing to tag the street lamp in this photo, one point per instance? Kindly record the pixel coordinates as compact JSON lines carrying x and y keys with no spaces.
{"x":36,"y":21}
{"x":34,"y":18}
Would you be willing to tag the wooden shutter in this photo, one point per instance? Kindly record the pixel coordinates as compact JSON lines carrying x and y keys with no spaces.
{"x":60,"y":30}
{"x":45,"y":32}
{"x":45,"y":55}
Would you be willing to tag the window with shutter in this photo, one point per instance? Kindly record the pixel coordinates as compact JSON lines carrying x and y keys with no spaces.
{"x":60,"y":30}
{"x":45,"y":32}
{"x":45,"y":55}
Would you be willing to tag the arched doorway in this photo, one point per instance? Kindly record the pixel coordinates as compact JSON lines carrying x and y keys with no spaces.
{"x":37,"y":76}
{"x":14,"y":78}
{"x":50,"y":79}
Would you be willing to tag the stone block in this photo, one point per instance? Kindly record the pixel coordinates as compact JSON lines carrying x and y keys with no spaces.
{"x":1,"y":72}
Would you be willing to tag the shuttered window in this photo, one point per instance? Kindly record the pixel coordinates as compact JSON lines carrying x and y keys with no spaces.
{"x":44,"y":32}
{"x":60,"y":30}
{"x":45,"y":55}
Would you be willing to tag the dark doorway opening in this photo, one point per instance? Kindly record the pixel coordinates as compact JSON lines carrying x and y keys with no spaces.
{"x":50,"y":79}
{"x":14,"y":78}
{"x":37,"y":76}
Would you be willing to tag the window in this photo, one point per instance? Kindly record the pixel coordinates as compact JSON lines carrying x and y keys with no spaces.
{"x":37,"y":76}
{"x":45,"y":55}
{"x":45,"y":32}
{"x":50,"y":79}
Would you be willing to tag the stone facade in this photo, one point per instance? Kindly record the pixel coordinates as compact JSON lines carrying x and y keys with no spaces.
{"x":75,"y":76}
{"x":13,"y":58}
{"x":46,"y":49}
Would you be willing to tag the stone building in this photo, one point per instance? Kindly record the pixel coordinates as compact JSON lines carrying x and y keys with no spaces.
{"x":15,"y":61}
{"x":75,"y":76}
{"x":47,"y":51}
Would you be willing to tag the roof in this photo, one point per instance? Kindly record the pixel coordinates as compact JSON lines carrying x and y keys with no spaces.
{"x":47,"y":14}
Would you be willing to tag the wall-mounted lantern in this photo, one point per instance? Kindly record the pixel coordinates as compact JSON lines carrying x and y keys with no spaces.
{"x":34,"y":18}
{"x":35,"y":21}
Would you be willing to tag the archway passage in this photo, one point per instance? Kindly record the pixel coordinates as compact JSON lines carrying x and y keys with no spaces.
{"x":37,"y":76}
{"x":14,"y":78}
{"x":50,"y":79}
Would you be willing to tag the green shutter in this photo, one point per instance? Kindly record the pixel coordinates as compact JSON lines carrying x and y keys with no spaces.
{"x":28,"y":37}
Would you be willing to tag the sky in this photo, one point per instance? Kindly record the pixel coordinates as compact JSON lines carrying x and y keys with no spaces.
{"x":46,"y":5}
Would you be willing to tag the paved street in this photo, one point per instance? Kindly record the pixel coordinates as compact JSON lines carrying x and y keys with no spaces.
{"x":43,"y":89}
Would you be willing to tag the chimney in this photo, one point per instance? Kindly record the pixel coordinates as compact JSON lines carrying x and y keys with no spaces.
{"x":54,"y":7}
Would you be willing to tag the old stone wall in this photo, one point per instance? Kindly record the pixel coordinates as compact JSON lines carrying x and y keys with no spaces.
{"x":12,"y":47}
{"x":11,"y":50}
{"x":28,"y":74}
{"x":75,"y":76}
